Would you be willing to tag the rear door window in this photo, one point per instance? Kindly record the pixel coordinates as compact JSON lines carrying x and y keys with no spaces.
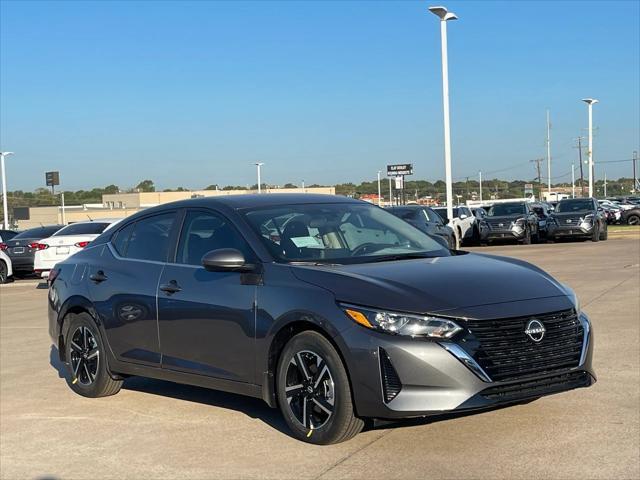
{"x":149,"y":239}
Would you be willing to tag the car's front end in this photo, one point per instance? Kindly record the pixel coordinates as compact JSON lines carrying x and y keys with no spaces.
{"x":578,"y":224}
{"x":486,"y":362}
{"x":503,"y":228}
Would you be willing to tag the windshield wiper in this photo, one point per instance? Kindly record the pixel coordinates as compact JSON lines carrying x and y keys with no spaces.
{"x":399,"y":256}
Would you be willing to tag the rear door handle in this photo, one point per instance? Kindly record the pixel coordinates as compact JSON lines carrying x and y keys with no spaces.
{"x":98,"y":277}
{"x":171,"y":287}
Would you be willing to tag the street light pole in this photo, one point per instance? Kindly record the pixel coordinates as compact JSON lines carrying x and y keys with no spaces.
{"x":5,"y":209}
{"x":445,"y":16}
{"x":548,"y":154}
{"x":480,"y":175}
{"x":573,"y":180}
{"x":590,"y":102}
{"x":258,"y":165}
{"x":390,"y":193}
{"x":379,"y":190}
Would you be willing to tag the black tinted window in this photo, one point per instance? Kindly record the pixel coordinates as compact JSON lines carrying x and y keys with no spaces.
{"x":92,"y":228}
{"x":149,"y":239}
{"x":38,"y":232}
{"x":575,"y":205}
{"x":121,"y":239}
{"x":206,"y":231}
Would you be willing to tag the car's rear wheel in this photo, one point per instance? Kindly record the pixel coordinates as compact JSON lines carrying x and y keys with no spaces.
{"x":313,"y":391}
{"x":85,"y":354}
{"x":4,"y":276}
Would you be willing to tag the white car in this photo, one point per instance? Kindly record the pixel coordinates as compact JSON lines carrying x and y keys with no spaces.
{"x":463,"y":223}
{"x":6,"y":269}
{"x":67,"y":241}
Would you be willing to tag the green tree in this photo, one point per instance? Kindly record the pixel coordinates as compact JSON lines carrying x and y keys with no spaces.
{"x":146,"y":186}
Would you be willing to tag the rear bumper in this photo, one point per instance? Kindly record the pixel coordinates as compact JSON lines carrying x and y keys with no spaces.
{"x":21,"y":263}
{"x":430,"y":378}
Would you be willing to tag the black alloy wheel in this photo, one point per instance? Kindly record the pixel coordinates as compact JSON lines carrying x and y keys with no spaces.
{"x":313,"y":391}
{"x":4,"y":278}
{"x":309,"y":389}
{"x":85,"y":356}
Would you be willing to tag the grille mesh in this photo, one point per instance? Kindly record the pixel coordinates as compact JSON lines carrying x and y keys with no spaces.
{"x":391,"y":385}
{"x":507,"y":353}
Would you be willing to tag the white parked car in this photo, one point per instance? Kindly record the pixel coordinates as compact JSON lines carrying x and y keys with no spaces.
{"x":67,"y":241}
{"x":463,"y":223}
{"x":6,"y":269}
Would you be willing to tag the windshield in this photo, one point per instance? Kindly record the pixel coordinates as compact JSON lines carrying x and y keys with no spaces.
{"x":92,"y":228}
{"x":505,"y":209}
{"x":339,"y":233}
{"x":38,"y":232}
{"x":442,"y":212}
{"x":566,"y":206}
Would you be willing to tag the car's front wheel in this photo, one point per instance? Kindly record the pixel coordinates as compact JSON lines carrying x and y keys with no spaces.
{"x":86,"y":358}
{"x":313,"y":391}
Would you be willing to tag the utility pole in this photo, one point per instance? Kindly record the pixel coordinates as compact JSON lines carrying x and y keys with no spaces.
{"x":537,"y":161}
{"x":579,"y":147}
{"x":573,"y":180}
{"x":480,"y":175}
{"x":635,"y":179}
{"x":379,"y":191}
{"x":548,"y":154}
{"x":467,"y":185}
{"x":605,"y":184}
{"x":390,"y":193}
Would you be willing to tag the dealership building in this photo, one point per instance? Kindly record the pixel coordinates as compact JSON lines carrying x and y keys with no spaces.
{"x":120,"y":205}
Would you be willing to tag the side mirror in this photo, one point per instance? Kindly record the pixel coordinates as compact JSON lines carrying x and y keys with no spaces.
{"x":225,"y":260}
{"x":447,"y":221}
{"x":463,"y":216}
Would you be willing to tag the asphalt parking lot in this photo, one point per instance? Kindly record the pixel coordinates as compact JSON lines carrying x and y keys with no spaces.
{"x":156,"y":429}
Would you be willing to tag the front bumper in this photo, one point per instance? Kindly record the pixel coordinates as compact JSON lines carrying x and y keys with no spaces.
{"x":576,"y":230}
{"x":506,"y":234}
{"x":433,"y":379}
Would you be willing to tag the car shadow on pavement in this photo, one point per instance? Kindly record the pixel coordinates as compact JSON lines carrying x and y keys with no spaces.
{"x":252,"y":407}
{"x":55,"y":362}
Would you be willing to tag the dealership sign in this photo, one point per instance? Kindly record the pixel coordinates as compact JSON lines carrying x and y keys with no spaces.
{"x":399,"y":169}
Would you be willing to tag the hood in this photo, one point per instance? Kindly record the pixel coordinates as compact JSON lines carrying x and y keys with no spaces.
{"x":455,"y":285}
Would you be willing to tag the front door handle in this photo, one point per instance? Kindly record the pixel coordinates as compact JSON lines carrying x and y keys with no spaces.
{"x":171,"y":287}
{"x":98,"y":277}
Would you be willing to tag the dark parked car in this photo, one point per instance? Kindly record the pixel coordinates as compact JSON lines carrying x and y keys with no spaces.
{"x":542,"y":211}
{"x":631,"y":217}
{"x":578,"y":218}
{"x":7,"y":235}
{"x":332,"y":309}
{"x":428,"y":221}
{"x":511,"y":221}
{"x":23,"y":247}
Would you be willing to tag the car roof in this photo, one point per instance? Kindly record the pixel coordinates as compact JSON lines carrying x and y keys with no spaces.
{"x":238,"y":202}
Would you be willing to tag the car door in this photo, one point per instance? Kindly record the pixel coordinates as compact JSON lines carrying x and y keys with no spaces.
{"x":206,"y":319}
{"x":123,"y":283}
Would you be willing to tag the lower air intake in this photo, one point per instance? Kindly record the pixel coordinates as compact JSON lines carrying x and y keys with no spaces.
{"x":391,"y":385}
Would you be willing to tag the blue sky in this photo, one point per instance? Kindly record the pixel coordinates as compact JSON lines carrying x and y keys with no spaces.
{"x":191,"y":93}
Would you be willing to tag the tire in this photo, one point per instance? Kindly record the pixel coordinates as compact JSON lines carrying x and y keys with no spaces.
{"x":633,"y":219}
{"x":527,"y":237}
{"x":89,"y":375}
{"x":551,"y":239}
{"x":536,"y":238}
{"x":311,"y":415}
{"x":605,"y":234}
{"x":595,"y":236}
{"x":4,"y":277}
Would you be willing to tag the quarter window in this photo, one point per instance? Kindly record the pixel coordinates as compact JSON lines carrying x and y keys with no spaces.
{"x":149,"y":239}
{"x":206,"y":231}
{"x":122,"y":239}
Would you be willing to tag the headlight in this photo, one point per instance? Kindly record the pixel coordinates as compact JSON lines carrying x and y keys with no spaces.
{"x":588,"y":218}
{"x":402,"y":323}
{"x":519,"y":223}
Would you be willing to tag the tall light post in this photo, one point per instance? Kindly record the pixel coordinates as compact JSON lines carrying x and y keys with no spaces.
{"x":5,"y":210}
{"x":590,"y":102}
{"x":445,"y":16}
{"x":379,"y":190}
{"x":258,"y":165}
{"x":480,"y":175}
{"x":548,"y":154}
